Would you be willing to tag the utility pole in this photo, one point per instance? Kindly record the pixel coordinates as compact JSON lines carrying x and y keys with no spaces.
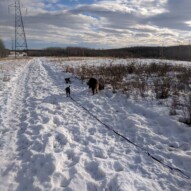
{"x":20,"y":37}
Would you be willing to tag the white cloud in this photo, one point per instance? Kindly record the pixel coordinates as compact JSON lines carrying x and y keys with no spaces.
{"x":104,"y":23}
{"x":188,"y":23}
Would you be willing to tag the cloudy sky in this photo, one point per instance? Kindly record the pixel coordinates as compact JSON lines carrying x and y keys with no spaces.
{"x":99,"y":23}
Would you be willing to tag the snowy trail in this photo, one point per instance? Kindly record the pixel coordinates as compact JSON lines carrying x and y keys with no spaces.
{"x":50,"y":143}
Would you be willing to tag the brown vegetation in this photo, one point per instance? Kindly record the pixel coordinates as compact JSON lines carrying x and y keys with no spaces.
{"x":141,"y":81}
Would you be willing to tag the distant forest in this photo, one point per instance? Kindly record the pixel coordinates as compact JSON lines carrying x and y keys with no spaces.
{"x":174,"y":52}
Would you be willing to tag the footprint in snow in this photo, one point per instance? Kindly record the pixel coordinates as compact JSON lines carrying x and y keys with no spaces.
{"x":38,"y":146}
{"x":56,"y":121}
{"x":91,"y":186}
{"x":59,"y":180}
{"x":117,"y":166}
{"x":59,"y":141}
{"x":95,"y":171}
{"x":100,"y":153}
{"x":92,"y":131}
{"x":45,"y":119}
{"x":73,"y":159}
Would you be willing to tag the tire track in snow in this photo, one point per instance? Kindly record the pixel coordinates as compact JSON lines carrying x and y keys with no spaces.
{"x":31,"y":162}
{"x":10,"y":117}
{"x":36,"y":163}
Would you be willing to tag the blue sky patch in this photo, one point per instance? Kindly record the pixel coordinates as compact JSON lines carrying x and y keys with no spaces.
{"x":75,"y":2}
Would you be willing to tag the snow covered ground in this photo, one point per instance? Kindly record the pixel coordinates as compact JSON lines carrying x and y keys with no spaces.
{"x":91,"y":61}
{"x":50,"y":142}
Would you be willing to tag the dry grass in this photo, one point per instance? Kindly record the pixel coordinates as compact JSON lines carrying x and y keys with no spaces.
{"x":164,"y":81}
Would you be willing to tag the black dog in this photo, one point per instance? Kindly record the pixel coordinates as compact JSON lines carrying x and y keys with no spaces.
{"x":67,"y":80}
{"x":67,"y":91}
{"x":94,"y":85}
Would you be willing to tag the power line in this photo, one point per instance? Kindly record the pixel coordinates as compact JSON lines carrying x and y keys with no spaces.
{"x":20,"y":36}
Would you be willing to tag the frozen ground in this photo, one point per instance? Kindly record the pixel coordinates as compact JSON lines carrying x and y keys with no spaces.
{"x":49,"y":142}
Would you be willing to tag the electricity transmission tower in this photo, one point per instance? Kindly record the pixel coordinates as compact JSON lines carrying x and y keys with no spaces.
{"x":20,"y":37}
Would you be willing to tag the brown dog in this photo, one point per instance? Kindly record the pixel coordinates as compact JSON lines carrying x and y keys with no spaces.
{"x":94,"y":85}
{"x":101,"y":83}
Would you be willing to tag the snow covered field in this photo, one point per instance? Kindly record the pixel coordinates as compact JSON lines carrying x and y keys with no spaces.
{"x":50,"y":142}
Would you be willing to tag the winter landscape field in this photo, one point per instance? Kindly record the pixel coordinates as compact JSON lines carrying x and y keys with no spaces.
{"x":134,"y":135}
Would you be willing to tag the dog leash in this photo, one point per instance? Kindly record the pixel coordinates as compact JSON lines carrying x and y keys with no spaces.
{"x":129,"y":141}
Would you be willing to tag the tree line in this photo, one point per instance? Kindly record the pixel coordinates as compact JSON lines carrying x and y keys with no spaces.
{"x":182,"y":52}
{"x":174,"y":52}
